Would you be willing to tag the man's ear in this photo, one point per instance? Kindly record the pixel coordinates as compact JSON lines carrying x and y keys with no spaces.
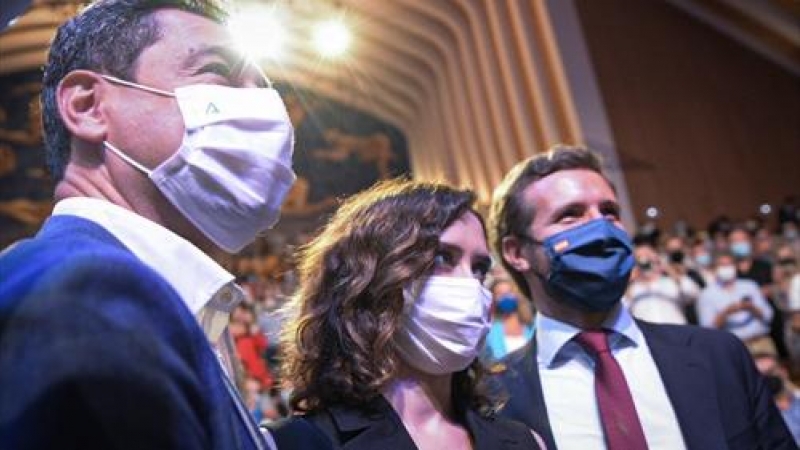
{"x":512,"y":248}
{"x":80,"y":97}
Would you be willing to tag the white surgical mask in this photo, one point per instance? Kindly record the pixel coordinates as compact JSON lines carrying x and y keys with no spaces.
{"x":234,"y":167}
{"x":445,"y":324}
{"x":703,"y":259}
{"x":726,"y":273}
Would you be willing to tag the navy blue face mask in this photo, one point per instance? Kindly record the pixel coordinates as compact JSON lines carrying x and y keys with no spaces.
{"x":506,"y":304}
{"x":589,"y":265}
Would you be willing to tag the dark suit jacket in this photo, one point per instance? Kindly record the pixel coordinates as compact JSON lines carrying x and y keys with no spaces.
{"x":97,"y":351}
{"x":350,"y":428}
{"x":719,"y":398}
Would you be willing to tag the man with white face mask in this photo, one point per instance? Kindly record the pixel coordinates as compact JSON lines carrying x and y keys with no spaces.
{"x":735,"y":304}
{"x":168,"y":150}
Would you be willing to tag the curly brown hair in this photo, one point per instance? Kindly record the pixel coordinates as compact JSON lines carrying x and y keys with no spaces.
{"x":338,"y":342}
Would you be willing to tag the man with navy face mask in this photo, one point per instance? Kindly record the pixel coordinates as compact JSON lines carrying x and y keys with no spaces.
{"x":168,"y":150}
{"x":592,"y":376}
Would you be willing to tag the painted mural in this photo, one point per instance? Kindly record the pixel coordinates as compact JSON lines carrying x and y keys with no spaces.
{"x":338,"y":151}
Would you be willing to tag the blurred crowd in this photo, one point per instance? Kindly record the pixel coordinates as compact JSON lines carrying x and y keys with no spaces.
{"x":738,"y":275}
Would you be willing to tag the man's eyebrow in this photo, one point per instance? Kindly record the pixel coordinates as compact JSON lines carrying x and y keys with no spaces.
{"x":558,"y":212}
{"x":226,"y":52}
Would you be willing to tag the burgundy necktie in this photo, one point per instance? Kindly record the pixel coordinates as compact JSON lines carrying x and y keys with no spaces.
{"x":621,"y":424}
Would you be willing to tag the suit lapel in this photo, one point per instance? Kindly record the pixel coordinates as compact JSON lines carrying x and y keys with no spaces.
{"x":690,"y":388}
{"x":485,"y":436}
{"x":526,"y":373}
{"x":381,"y":428}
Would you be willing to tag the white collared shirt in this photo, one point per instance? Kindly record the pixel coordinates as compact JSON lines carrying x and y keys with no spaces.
{"x":207,"y":289}
{"x":567,"y":377}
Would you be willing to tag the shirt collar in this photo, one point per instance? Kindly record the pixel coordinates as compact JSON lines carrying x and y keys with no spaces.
{"x":552,"y":335}
{"x":197,"y":278}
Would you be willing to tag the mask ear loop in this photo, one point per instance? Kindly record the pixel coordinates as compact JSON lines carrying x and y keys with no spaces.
{"x":131,"y":84}
{"x":127,"y":158}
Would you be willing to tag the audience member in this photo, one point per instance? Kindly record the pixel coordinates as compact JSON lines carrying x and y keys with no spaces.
{"x":785,"y":394}
{"x":787,"y":295}
{"x":251,"y":344}
{"x":556,"y":223}
{"x":391,"y":316}
{"x":101,"y":345}
{"x":651,"y":294}
{"x":512,"y":320}
{"x":702,"y":261}
{"x":736,"y":304}
{"x":678,"y":267}
{"x":747,"y":265}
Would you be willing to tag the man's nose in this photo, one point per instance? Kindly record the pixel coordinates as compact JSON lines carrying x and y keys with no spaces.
{"x":594,"y":213}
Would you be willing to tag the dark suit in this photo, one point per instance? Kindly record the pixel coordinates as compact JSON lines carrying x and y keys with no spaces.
{"x":97,"y":351}
{"x":355,"y":429}
{"x":719,"y":398}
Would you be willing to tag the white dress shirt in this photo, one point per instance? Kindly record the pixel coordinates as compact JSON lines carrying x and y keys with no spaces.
{"x":567,"y":377}
{"x":207,"y":289}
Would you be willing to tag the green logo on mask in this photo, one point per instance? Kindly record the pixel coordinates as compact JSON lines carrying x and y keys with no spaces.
{"x":212,"y":109}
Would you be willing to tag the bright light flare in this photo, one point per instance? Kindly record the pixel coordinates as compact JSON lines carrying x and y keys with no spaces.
{"x":331,"y":38}
{"x":259,"y":32}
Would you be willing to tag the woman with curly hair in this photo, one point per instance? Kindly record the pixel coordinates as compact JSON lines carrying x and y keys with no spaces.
{"x":387,"y":325}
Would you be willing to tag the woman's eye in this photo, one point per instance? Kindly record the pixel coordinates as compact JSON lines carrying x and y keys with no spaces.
{"x":442,"y":259}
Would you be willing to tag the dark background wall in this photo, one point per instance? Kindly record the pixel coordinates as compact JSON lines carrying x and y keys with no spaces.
{"x":704,"y":126}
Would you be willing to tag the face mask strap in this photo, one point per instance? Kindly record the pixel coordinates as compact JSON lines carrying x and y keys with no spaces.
{"x":141,"y":87}
{"x":127,"y":158}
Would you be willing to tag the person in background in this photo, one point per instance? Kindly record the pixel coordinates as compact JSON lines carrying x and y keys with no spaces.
{"x":251,"y":344}
{"x":702,"y":261}
{"x":747,"y":265}
{"x":757,"y":267}
{"x":593,"y":377}
{"x":784,"y":392}
{"x":736,"y":305}
{"x":678,"y":267}
{"x":512,"y":320}
{"x":787,"y":294}
{"x":390,"y":318}
{"x":169,"y":150}
{"x":652,"y":295}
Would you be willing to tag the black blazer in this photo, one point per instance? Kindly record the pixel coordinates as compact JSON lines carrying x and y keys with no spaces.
{"x":720,"y":400}
{"x":349,"y":428}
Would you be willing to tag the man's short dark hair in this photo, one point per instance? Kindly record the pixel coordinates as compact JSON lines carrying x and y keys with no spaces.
{"x":511,"y":216}
{"x":108,"y":36}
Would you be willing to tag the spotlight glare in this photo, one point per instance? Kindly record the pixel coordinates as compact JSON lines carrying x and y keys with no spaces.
{"x":258,"y":32}
{"x":765,"y":209}
{"x":652,"y":212}
{"x":331,"y":38}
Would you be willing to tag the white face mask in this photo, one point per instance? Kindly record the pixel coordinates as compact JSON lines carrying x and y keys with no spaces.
{"x":726,"y":273}
{"x":234,"y":167}
{"x":445,"y":324}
